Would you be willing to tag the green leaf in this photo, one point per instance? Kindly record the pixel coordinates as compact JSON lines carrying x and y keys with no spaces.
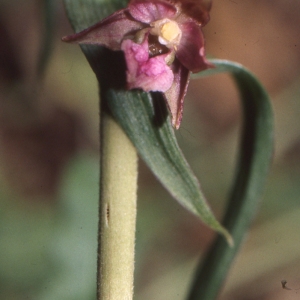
{"x":256,"y":151}
{"x":143,"y":117}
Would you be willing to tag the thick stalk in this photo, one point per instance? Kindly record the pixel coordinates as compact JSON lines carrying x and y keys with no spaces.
{"x":118,"y":192}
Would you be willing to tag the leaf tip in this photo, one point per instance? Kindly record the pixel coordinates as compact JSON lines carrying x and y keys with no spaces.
{"x":228,"y":238}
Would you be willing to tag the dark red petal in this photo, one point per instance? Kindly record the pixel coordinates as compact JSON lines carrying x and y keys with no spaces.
{"x":198,"y":10}
{"x":108,"y":32}
{"x":147,"y":11}
{"x":191,"y":52}
{"x":175,"y":95}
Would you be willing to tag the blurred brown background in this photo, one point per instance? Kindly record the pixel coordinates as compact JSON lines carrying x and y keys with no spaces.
{"x":49,"y":161}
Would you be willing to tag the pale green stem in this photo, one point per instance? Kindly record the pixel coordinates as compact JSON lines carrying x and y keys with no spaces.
{"x":118,"y":193}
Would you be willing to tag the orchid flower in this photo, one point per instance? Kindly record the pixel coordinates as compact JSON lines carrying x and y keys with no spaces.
{"x":162,"y":42}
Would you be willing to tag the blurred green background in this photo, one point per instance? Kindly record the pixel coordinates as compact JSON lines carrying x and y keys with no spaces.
{"x":49,"y":161}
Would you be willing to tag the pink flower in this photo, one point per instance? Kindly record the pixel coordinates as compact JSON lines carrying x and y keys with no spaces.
{"x":162,"y":42}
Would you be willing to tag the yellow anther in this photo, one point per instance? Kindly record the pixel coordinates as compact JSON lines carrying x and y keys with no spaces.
{"x":170,"y":31}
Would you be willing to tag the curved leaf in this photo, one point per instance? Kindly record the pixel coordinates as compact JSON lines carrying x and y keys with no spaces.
{"x":256,"y":151}
{"x":145,"y":119}
{"x":143,"y":116}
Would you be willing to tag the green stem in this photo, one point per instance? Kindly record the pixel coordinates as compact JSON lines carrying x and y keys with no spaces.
{"x":118,"y":193}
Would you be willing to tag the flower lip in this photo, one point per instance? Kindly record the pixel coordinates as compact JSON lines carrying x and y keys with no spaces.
{"x":145,"y":72}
